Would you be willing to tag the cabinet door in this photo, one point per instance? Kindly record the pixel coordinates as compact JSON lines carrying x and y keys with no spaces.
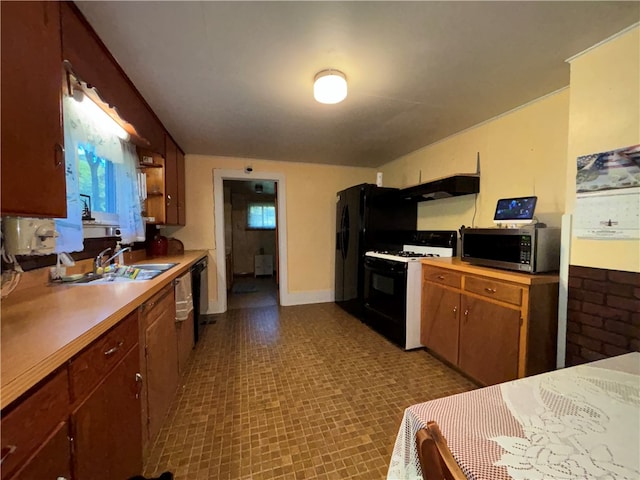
{"x":106,"y":427}
{"x":440,"y":321}
{"x":182,"y":212}
{"x":489,"y":336}
{"x":171,"y":181}
{"x":162,"y":370}
{"x":33,"y":174}
{"x":53,"y":459}
{"x":29,"y":423}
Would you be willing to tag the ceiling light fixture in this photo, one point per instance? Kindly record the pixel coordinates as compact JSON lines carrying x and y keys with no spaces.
{"x":330,"y":86}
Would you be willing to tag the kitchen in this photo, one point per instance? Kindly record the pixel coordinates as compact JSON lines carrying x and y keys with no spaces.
{"x":544,"y":135}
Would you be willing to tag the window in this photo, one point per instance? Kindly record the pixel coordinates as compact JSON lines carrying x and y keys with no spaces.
{"x":96,"y":176}
{"x":261,"y":216}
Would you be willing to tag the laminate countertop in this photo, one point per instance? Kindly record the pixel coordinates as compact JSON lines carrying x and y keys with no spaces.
{"x":516,"y":277}
{"x":44,"y":326}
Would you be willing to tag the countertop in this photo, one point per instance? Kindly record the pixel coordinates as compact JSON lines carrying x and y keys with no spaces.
{"x":495,"y":273}
{"x":44,"y":326}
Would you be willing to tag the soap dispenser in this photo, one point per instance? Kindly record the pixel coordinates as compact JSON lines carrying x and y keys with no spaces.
{"x":120,"y":255}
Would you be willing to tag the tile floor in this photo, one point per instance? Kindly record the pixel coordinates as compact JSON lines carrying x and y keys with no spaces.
{"x":265,"y":293}
{"x":303,"y":392}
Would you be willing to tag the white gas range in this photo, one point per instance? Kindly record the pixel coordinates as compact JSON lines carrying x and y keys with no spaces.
{"x":393,"y":288}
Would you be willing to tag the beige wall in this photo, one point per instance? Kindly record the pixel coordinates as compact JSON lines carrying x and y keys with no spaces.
{"x":604,"y":115}
{"x":310,"y":197}
{"x":522,"y":152}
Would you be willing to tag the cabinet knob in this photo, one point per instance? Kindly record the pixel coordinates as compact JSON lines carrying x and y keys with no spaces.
{"x":168,"y":199}
{"x":58,"y":157}
{"x":139,"y":384}
{"x":455,"y":309}
{"x":440,"y":277}
{"x":490,"y":290}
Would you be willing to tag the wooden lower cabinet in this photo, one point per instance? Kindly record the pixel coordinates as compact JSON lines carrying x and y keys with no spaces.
{"x":52,"y":460}
{"x":106,"y":426}
{"x":494,"y":325}
{"x":441,"y":322}
{"x":161,"y":358}
{"x":489,"y":335}
{"x":28,"y":425}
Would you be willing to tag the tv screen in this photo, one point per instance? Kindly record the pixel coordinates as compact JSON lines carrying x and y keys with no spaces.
{"x":515,"y":210}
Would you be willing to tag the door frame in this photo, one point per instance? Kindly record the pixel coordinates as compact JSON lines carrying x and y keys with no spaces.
{"x":219,"y":175}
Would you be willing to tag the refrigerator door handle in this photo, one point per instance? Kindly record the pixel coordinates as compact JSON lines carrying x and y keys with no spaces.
{"x":345,"y":231}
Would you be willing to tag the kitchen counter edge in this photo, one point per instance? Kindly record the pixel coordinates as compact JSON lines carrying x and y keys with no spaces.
{"x":496,"y":273}
{"x":18,"y":378}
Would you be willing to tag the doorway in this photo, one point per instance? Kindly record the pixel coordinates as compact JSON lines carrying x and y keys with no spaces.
{"x":250,"y":238}
{"x":250,"y":232}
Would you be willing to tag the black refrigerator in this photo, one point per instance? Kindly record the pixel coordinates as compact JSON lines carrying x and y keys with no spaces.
{"x":366,"y":218}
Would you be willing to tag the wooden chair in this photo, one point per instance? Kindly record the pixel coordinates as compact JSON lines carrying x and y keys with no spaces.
{"x":436,"y":460}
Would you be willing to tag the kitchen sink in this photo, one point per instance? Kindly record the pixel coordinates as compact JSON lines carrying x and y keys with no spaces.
{"x":146,"y":271}
{"x":163,"y":267}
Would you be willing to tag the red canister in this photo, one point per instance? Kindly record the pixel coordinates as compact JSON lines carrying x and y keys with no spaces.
{"x":159,"y":246}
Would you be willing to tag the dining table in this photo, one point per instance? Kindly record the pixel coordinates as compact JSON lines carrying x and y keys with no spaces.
{"x":580,"y":422}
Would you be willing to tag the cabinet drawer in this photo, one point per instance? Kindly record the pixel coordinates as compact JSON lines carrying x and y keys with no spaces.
{"x":29,"y":424}
{"x":442,"y":276}
{"x":158,"y":305}
{"x":95,"y":362}
{"x":491,"y":289}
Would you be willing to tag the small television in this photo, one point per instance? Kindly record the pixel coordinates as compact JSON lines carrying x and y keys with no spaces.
{"x":515,"y":211}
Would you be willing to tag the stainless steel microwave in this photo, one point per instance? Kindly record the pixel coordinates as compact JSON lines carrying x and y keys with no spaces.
{"x":530,"y":250}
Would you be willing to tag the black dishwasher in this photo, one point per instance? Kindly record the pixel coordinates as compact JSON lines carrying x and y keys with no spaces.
{"x":200,"y":294}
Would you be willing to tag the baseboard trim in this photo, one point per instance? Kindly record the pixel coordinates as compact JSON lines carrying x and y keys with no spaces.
{"x":304,"y":298}
{"x":286,"y":300}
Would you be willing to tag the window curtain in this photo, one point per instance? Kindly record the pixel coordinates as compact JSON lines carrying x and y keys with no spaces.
{"x":80,"y":129}
{"x":127,"y":195}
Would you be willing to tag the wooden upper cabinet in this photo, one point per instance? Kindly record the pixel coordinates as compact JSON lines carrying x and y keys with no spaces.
{"x":33,"y":173}
{"x":92,"y":63}
{"x":182,"y":214}
{"x":171,"y":181}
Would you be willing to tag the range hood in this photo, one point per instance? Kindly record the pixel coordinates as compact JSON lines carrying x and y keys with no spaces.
{"x":456,"y":185}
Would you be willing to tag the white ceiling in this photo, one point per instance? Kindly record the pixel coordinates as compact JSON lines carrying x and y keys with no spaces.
{"x":236,"y":78}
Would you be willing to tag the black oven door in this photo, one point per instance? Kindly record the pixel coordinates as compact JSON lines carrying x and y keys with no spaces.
{"x":385,"y":297}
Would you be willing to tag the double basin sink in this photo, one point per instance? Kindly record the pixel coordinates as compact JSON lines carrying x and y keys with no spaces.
{"x":145,"y":271}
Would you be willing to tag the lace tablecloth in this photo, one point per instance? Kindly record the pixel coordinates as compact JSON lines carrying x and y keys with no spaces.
{"x":577,"y":423}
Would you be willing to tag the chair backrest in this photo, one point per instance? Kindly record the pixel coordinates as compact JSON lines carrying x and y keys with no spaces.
{"x":436,"y":460}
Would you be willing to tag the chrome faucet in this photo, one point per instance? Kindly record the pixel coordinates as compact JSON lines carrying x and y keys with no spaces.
{"x":99,"y":263}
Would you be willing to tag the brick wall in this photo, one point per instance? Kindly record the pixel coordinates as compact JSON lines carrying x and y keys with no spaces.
{"x":603,"y":314}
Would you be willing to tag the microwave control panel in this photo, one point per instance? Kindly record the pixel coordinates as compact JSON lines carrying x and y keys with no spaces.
{"x":525,"y":249}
